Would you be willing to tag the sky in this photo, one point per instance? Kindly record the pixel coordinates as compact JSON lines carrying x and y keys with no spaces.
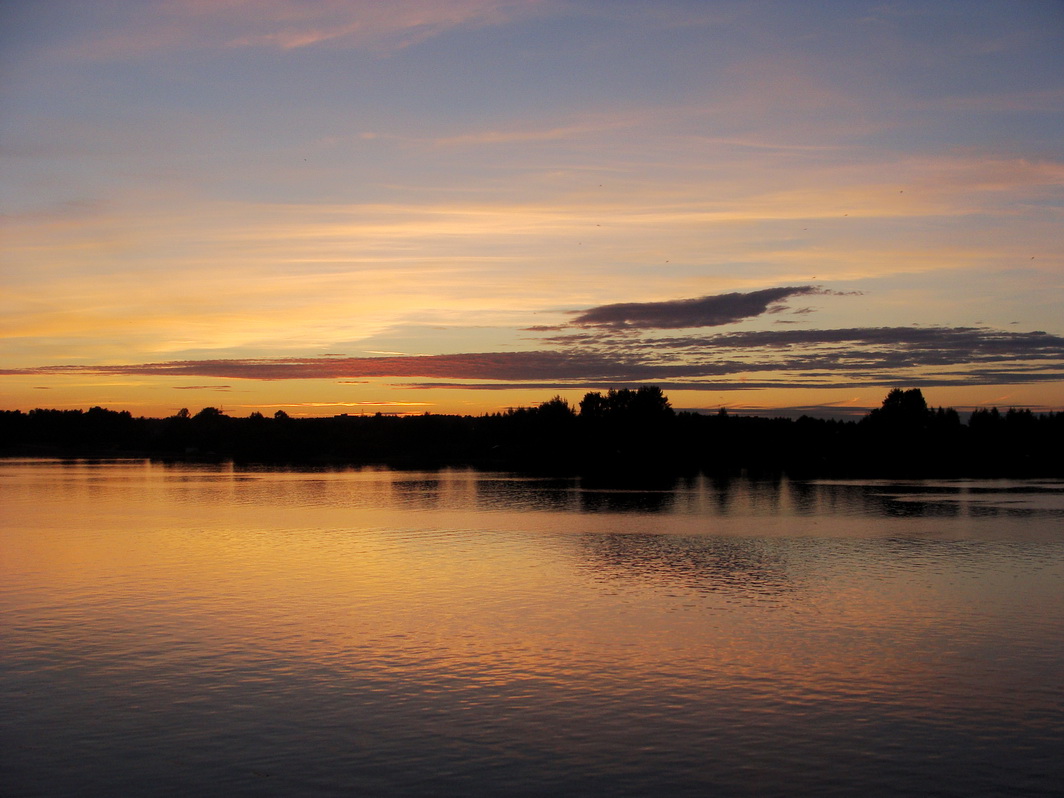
{"x":460,"y":206}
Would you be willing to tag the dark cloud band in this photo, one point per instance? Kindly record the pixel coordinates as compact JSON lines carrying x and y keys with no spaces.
{"x":851,"y":357}
{"x":706,"y":311}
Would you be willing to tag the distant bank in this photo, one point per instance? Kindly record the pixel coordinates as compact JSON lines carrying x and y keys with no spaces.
{"x":631,"y":432}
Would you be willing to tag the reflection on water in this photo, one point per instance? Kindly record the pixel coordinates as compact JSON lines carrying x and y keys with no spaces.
{"x":741,"y":566}
{"x":176,"y":630}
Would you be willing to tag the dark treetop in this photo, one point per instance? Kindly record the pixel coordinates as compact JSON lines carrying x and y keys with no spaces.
{"x":622,"y":431}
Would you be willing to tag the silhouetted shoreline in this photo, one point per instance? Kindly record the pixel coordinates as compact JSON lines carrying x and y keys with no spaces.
{"x":633,"y":434}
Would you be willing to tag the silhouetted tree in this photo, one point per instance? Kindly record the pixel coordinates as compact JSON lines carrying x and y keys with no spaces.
{"x":651,"y":403}
{"x":984,"y":419}
{"x":620,"y":434}
{"x":648,"y":402}
{"x":947,"y":418}
{"x":901,"y":409}
{"x":555,"y":409}
{"x":593,"y":405}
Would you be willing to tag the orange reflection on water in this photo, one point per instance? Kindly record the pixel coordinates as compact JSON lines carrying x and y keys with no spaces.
{"x":437,"y":581}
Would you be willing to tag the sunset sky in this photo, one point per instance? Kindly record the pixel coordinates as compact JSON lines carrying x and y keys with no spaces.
{"x":458,"y":206}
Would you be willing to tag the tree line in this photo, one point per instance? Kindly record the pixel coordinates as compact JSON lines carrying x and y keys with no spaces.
{"x":621,"y":431}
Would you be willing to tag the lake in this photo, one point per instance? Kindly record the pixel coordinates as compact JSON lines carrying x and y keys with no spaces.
{"x":214,"y":630}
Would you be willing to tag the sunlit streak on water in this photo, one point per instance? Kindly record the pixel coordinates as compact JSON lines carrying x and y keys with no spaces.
{"x":180,"y":630}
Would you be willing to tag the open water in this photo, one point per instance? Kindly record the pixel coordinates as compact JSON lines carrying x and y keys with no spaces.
{"x":216,"y":631}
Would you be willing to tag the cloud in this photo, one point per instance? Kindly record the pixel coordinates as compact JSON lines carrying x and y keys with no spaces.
{"x":485,"y":365}
{"x":959,"y":343}
{"x":839,"y":358}
{"x":151,"y":27}
{"x":889,"y":380}
{"x":707,"y":311}
{"x":978,"y":341}
{"x":532,"y":131}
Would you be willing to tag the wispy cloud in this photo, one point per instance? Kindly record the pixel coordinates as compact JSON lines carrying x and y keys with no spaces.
{"x":1048,"y":100}
{"x":392,"y":25}
{"x":152,"y":27}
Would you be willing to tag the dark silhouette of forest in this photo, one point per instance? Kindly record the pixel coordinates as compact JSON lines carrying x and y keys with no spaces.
{"x":621,"y":432}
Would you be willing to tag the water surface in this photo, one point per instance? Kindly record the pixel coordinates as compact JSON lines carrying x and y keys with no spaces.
{"x":210,"y":630}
